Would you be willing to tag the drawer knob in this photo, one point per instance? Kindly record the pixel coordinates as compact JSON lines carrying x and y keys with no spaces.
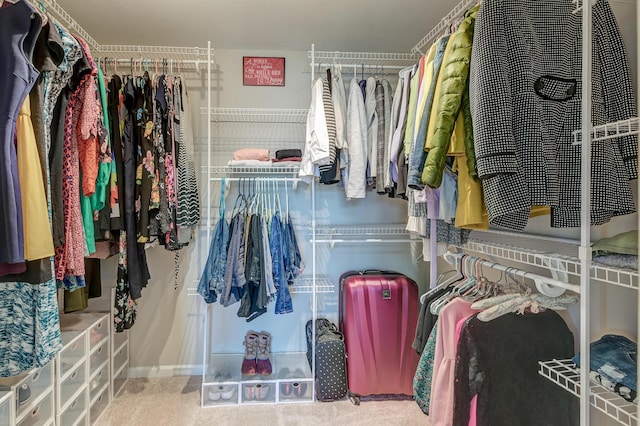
{"x":74,"y":375}
{"x":35,"y":411}
{"x":74,"y":404}
{"x":35,"y":377}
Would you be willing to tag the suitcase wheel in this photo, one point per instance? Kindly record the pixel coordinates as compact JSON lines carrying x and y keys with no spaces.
{"x":355,"y":399}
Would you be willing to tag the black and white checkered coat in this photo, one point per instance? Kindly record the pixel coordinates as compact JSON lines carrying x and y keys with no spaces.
{"x":525,"y":88}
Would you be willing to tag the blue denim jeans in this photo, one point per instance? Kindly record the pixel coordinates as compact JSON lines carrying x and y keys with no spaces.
{"x":418,"y":154}
{"x":212,"y":279}
{"x":284,"y":304}
{"x":234,"y":277}
{"x":614,"y":357}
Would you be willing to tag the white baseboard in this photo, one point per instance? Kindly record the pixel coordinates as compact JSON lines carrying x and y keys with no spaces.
{"x":164,"y":371}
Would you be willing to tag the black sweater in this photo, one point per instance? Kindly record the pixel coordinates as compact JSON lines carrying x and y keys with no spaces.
{"x":498,"y":361}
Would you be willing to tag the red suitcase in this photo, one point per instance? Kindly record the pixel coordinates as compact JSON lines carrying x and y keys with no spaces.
{"x":378,"y":317}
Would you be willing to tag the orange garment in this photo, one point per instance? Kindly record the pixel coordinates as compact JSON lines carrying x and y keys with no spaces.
{"x":88,"y":138}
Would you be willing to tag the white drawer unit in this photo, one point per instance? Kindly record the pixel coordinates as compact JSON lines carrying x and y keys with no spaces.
{"x":120,"y":368}
{"x":41,"y":413}
{"x":120,"y":378}
{"x":7,"y":409}
{"x":100,"y":382}
{"x":75,"y":413}
{"x":99,"y":405}
{"x":29,"y":391}
{"x":99,"y":356}
{"x":74,"y":351}
{"x":71,"y":369}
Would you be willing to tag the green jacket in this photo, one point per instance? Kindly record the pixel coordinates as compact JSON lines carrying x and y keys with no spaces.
{"x":453,"y":99}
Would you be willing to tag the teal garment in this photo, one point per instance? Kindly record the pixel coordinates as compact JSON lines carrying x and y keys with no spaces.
{"x":99,"y":198}
{"x":424,"y":372}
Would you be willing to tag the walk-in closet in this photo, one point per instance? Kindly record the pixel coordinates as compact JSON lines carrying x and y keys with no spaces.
{"x":341,"y":213}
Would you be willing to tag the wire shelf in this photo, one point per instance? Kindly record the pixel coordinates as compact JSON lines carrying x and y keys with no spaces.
{"x":628,"y":127}
{"x":457,"y":11}
{"x":567,"y":376}
{"x":304,"y":285}
{"x":559,"y":263}
{"x":257,"y":115}
{"x":61,"y":15}
{"x":365,"y":233}
{"x":271,"y":171}
{"x":156,"y":52}
{"x":399,"y":60}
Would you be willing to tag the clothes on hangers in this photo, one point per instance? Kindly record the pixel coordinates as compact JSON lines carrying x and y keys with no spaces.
{"x":488,"y":355}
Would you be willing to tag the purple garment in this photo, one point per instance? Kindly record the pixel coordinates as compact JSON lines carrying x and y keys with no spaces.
{"x":19,"y":29}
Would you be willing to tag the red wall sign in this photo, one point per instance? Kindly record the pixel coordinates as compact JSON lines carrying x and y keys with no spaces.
{"x":262,"y":71}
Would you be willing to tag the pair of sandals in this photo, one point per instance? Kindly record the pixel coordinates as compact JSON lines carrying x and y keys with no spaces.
{"x":293,"y":388}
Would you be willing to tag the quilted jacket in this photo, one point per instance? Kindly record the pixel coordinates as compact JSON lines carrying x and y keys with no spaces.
{"x":453,"y":94}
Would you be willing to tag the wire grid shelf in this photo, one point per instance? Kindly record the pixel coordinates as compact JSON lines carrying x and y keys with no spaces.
{"x":156,"y":52}
{"x":304,"y":285}
{"x":257,"y":115}
{"x":371,"y":59}
{"x":362,"y":231}
{"x":628,"y":127}
{"x":559,"y":263}
{"x":457,"y":11}
{"x":567,"y":376}
{"x":267,"y":171}
{"x":52,"y":7}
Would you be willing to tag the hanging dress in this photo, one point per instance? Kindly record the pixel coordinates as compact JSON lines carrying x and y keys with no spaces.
{"x":19,"y":29}
{"x":38,"y":242}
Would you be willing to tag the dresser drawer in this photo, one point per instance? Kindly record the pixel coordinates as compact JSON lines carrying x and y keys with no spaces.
{"x":75,"y":411}
{"x":6,"y":399}
{"x":39,"y":415}
{"x":98,"y":406}
{"x":72,"y":385}
{"x":98,"y":382}
{"x":120,"y":358}
{"x":73,"y":351}
{"x":98,"y":357}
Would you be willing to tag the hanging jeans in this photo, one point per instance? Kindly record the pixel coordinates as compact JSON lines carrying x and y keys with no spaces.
{"x":284,"y":304}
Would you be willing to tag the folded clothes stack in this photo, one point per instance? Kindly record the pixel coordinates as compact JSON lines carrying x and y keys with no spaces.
{"x":613,"y":365}
{"x":620,"y":251}
{"x":258,"y":157}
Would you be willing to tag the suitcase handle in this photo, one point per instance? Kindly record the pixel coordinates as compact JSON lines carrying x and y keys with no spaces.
{"x":378,"y":272}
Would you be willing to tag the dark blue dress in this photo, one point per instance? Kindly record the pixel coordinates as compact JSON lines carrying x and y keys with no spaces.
{"x":20,"y":25}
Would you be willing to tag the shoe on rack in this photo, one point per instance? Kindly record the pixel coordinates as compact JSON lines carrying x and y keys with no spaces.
{"x":24,"y":394}
{"x":263,"y":363}
{"x":227,"y":392}
{"x":299,"y":388}
{"x":286,"y":388}
{"x":255,"y":392}
{"x":249,"y":366}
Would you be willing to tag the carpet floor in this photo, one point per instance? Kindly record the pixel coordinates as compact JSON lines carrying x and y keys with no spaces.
{"x":176,"y":401}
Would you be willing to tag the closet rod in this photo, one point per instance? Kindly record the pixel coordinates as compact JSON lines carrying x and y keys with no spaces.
{"x":457,"y":11}
{"x":454,"y":258}
{"x":365,"y":66}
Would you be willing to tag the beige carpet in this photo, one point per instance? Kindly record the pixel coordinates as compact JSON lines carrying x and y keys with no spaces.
{"x":176,"y":401}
